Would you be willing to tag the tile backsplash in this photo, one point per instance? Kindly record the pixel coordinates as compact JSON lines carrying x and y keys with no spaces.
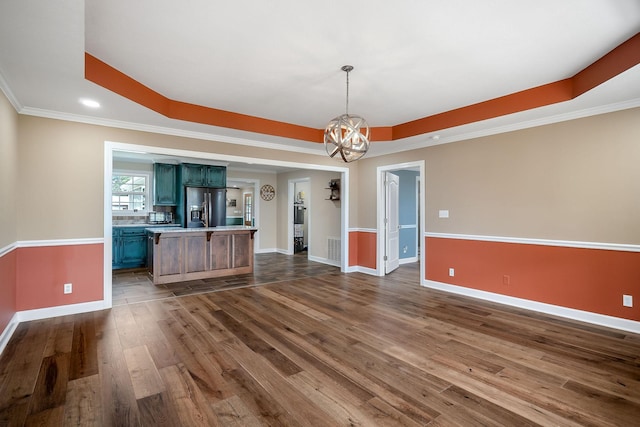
{"x":119,"y":219}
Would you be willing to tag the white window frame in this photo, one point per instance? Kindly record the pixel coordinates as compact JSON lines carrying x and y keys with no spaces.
{"x":147,"y":193}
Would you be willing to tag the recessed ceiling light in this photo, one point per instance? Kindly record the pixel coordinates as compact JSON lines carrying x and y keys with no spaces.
{"x":90,"y":103}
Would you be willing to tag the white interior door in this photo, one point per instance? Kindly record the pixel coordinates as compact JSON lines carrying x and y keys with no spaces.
{"x":392,"y":184}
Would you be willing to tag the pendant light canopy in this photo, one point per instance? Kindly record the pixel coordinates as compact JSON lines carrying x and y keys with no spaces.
{"x":347,"y":134}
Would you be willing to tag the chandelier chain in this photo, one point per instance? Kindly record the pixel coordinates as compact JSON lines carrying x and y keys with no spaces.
{"x":347,"y":106}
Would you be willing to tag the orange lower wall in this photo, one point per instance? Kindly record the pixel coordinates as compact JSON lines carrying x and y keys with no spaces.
{"x":362,"y":249}
{"x":592,"y":280}
{"x":42,"y":271}
{"x":7,"y":288}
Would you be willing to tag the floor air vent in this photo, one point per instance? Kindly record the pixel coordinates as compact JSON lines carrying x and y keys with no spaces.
{"x":333,"y":249}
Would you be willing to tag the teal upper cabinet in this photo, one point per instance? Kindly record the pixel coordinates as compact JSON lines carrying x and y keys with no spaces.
{"x":165,"y":184}
{"x":204,"y":176}
{"x":194,"y":175}
{"x":216,"y":176}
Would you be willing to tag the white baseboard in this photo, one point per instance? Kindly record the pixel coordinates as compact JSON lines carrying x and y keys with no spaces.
{"x":323,"y":260}
{"x":556,"y":310}
{"x":266,"y":251}
{"x":62,"y":310}
{"x":8,"y":332}
{"x":365,"y":270}
{"x":409,"y":260}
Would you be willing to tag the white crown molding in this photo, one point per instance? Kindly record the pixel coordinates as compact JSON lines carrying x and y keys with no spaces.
{"x":295,"y":145}
{"x":422,"y":141}
{"x":543,"y":242}
{"x":555,"y":310}
{"x":58,"y":242}
{"x":4,"y":86}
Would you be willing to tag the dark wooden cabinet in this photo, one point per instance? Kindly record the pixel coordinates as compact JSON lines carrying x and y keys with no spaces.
{"x":129,"y":247}
{"x":193,"y":255}
{"x":165,"y":184}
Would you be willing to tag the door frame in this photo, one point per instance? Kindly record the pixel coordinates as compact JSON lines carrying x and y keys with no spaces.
{"x":389,"y":212}
{"x":381,"y":208}
{"x":110,"y":146}
{"x":290,"y":203}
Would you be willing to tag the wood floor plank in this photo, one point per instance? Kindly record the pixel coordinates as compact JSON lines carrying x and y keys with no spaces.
{"x":144,"y":375}
{"x":61,"y":339}
{"x":158,"y":410}
{"x":301,"y":409}
{"x":197,"y":363}
{"x":51,"y":387}
{"x":192,"y":408}
{"x":119,"y":406}
{"x":84,"y":402}
{"x":300,"y":343}
{"x":84,"y":354}
{"x":23,"y":368}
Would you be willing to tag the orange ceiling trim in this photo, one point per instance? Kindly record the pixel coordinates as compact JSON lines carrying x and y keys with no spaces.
{"x":114,"y":80}
{"x":617,"y":61}
{"x":108,"y":77}
{"x":520,"y":101}
{"x":620,"y":59}
{"x":211,"y":116}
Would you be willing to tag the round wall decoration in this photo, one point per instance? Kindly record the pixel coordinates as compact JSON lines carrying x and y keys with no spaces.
{"x":267,"y":192}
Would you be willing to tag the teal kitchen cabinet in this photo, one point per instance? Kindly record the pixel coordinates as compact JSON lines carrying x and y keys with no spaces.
{"x":129,"y":247}
{"x":204,"y":176}
{"x":194,"y":175}
{"x":216,"y":176}
{"x":164,"y":184}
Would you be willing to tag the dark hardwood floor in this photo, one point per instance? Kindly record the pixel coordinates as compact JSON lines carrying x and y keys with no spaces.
{"x":301,"y":344}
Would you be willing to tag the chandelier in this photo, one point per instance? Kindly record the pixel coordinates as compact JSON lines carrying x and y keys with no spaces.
{"x":347,"y":134}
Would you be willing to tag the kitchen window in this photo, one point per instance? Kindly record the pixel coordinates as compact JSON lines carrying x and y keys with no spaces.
{"x":130,"y":193}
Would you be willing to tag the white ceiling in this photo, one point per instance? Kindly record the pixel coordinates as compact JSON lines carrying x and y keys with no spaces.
{"x":281,"y":60}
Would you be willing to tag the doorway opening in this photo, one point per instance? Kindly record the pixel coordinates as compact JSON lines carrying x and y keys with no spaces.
{"x":400,"y":208}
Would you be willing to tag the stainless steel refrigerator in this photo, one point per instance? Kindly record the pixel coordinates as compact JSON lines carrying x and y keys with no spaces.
{"x":205,"y":207}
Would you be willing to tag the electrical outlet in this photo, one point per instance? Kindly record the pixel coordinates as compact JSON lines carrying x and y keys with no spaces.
{"x":452,"y":272}
{"x":627,"y":300}
{"x":506,"y":280}
{"x":68,"y":288}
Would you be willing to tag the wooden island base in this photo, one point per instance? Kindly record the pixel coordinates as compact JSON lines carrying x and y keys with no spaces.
{"x":177,"y":255}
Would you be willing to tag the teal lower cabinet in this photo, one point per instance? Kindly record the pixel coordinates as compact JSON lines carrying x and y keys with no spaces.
{"x":129,"y":249}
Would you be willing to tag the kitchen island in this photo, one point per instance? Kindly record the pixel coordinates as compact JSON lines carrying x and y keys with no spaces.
{"x":180,"y":254}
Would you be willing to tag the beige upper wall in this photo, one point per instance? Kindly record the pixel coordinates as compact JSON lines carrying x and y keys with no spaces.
{"x":8,"y":172}
{"x":577,"y":180}
{"x":69,"y":157}
{"x":323,"y":215}
{"x":266,"y":211}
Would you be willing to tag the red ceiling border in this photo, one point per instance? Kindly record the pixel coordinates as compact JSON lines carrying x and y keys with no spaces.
{"x":620,"y":59}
